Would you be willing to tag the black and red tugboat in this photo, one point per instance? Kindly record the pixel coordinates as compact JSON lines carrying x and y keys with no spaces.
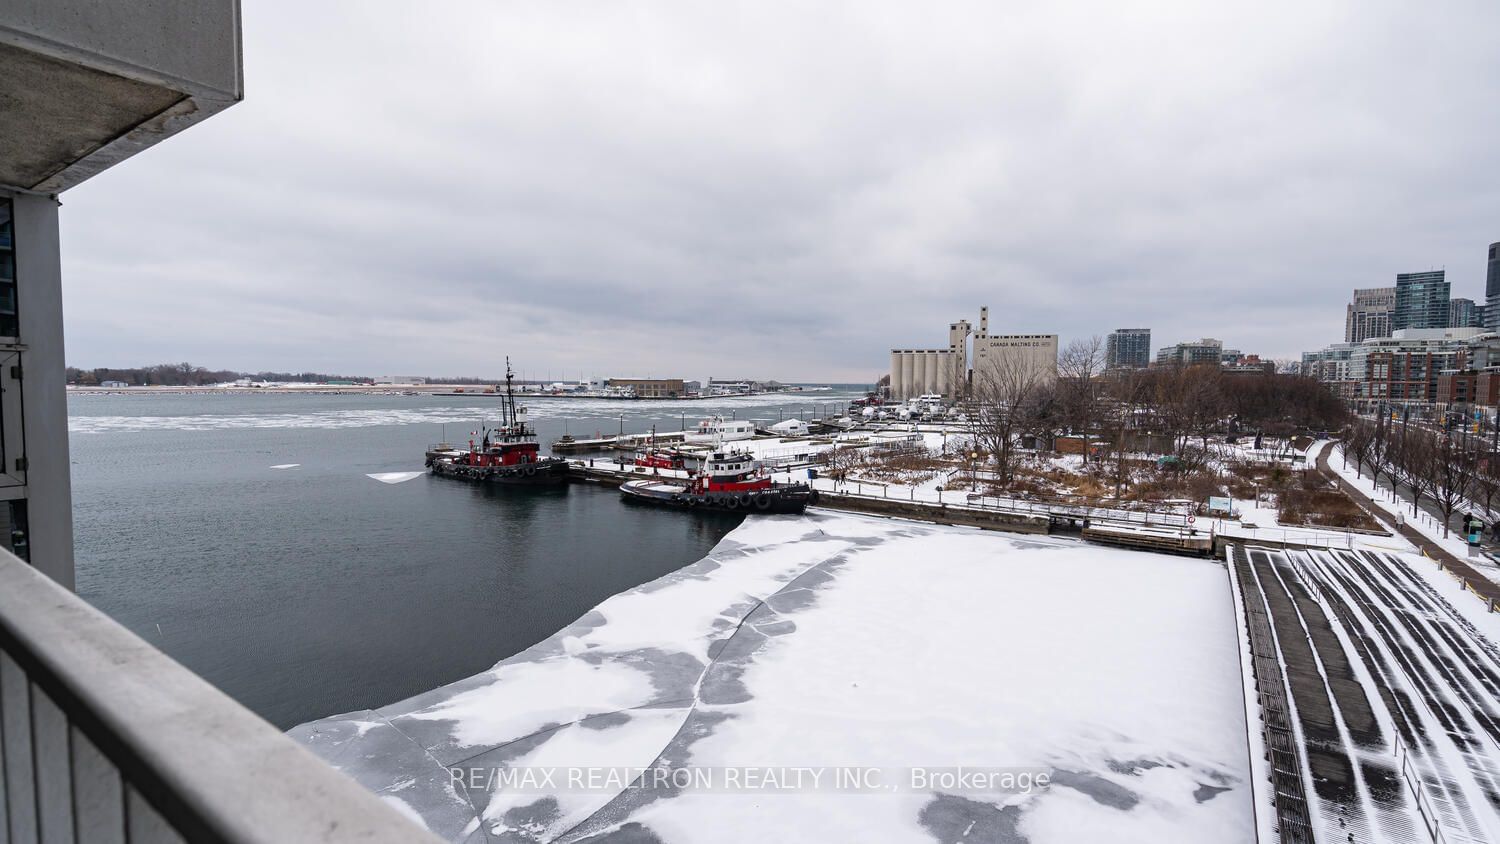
{"x":726,"y":482}
{"x":508,"y":454}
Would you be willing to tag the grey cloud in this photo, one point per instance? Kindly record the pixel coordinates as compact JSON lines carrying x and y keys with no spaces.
{"x":788,"y":190}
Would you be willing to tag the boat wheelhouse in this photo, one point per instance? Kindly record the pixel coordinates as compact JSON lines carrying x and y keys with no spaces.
{"x":730,"y":481}
{"x":719,"y":430}
{"x":506,"y":454}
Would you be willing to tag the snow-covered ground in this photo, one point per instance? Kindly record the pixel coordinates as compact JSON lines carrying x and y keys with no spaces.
{"x":856,"y":651}
{"x":1390,"y":506}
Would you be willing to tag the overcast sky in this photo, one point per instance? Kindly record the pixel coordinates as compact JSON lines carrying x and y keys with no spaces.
{"x":788,"y":190}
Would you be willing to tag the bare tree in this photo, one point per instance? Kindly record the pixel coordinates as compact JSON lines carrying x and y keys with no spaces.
{"x":1126,"y":391}
{"x":1451,"y":467}
{"x":1078,"y":370}
{"x":1485,"y":483}
{"x":1382,"y":444}
{"x":1413,"y":458}
{"x":1357,"y":444}
{"x":1005,"y":391}
{"x":842,"y":460}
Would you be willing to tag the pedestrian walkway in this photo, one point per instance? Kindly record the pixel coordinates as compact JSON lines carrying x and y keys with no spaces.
{"x":1472,"y":579}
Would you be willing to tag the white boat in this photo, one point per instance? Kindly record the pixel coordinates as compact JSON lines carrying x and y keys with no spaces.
{"x":790,"y":428}
{"x":720,"y":430}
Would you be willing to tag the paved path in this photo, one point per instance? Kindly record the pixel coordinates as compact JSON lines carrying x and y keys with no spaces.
{"x":1487,"y":588}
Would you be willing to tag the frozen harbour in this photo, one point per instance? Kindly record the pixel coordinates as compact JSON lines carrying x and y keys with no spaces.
{"x":829,"y":644}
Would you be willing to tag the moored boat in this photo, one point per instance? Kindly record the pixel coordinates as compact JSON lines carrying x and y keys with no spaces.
{"x":730,"y":482}
{"x":719,"y":430}
{"x":507,"y":454}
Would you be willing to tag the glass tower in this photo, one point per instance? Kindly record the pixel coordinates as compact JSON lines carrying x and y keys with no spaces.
{"x":1421,"y":301}
{"x":1492,"y":290}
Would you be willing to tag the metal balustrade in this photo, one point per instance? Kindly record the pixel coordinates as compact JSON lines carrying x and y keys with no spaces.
{"x":105,"y":739}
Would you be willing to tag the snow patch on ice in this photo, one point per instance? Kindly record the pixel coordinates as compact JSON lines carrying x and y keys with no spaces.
{"x":395,"y":477}
{"x":286,"y":465}
{"x":527,"y":696}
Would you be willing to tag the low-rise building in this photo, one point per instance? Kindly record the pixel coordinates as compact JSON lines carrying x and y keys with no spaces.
{"x":1404,"y":368}
{"x":1194,"y":353}
{"x":1249,"y":365}
{"x":649,"y":388}
{"x":400,"y":380}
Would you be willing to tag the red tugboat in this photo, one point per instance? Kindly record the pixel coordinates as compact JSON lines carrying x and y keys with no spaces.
{"x":726,"y":482}
{"x":659,"y":459}
{"x":508,"y":454}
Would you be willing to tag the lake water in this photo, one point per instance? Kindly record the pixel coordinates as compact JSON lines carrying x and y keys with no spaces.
{"x":310,"y":590}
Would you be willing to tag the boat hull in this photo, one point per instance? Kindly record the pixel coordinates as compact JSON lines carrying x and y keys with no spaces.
{"x":784,"y":499}
{"x":544,"y":471}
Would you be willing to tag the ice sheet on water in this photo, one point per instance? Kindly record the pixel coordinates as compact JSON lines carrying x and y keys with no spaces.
{"x":395,"y":477}
{"x":325,"y":419}
{"x":672,"y":415}
{"x":286,"y":465}
{"x":848,"y":642}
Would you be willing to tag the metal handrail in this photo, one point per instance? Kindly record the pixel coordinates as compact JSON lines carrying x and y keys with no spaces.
{"x":108,"y":737}
{"x":995,"y":502}
{"x":1413,"y":779}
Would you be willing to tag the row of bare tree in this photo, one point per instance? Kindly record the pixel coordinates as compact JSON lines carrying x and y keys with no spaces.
{"x":1452,"y":471}
{"x":1012,"y":397}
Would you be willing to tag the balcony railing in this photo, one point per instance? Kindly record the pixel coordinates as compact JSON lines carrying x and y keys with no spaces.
{"x":103,"y":738}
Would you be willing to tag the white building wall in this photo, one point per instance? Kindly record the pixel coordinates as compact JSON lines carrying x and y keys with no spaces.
{"x":1037,"y":351}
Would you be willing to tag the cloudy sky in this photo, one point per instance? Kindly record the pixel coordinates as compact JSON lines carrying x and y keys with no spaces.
{"x":787,"y":190}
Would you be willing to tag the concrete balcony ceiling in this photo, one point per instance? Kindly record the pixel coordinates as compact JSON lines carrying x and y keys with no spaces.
{"x":84,"y":85}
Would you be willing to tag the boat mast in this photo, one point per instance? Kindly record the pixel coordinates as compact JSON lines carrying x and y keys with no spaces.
{"x":508,"y":407}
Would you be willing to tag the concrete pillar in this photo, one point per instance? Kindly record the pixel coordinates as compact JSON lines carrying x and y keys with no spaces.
{"x":895,"y":373}
{"x":47,"y":489}
{"x":930,"y":377}
{"x":908,"y":374}
{"x":945,"y":374}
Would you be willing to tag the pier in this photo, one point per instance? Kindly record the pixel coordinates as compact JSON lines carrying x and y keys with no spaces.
{"x":1146,"y":531}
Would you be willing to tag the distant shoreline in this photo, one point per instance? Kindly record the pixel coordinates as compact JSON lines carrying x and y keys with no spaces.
{"x":433,"y":390}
